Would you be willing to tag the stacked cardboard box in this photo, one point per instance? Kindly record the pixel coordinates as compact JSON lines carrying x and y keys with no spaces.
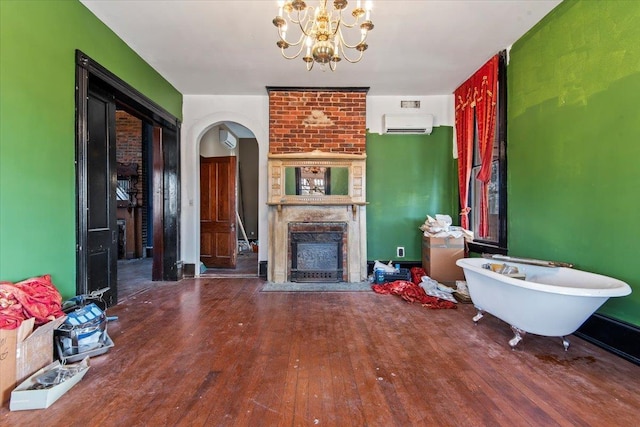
{"x":23,"y":351}
{"x":439,"y":256}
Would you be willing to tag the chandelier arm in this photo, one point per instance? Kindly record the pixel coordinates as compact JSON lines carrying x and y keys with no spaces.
{"x":356,"y":22}
{"x":294,"y":56}
{"x":306,"y":28}
{"x":337,"y":23}
{"x":298,"y":22}
{"x":347,"y":45}
{"x":301,"y":18}
{"x":300,"y":40}
{"x":346,"y":57}
{"x":353,"y":61}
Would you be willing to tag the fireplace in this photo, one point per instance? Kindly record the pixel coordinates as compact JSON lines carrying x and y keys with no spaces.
{"x":317,"y":252}
{"x":317,"y":175}
{"x":319,"y":236}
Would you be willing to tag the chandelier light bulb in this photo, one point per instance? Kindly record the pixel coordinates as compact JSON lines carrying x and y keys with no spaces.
{"x":323,"y":30}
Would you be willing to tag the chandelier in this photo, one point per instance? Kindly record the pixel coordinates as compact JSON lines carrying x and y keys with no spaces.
{"x":321,"y":31}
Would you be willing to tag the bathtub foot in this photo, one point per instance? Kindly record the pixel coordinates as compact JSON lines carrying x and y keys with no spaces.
{"x":478,"y":316}
{"x":565,"y":343}
{"x":519,"y":333}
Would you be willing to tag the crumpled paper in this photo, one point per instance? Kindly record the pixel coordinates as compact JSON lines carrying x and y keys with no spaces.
{"x":387,"y":268}
{"x":440,"y":226}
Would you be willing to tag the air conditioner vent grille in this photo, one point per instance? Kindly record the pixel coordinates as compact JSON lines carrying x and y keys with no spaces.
{"x":408,"y":123}
{"x":404,"y":130}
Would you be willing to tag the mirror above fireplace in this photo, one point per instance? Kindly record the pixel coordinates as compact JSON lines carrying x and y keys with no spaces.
{"x":317,"y":178}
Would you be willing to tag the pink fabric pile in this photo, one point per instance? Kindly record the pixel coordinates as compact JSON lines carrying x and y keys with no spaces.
{"x":36,"y":297}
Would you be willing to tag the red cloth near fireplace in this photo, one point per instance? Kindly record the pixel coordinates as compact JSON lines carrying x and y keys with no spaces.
{"x":416,"y":274}
{"x":412,"y":292}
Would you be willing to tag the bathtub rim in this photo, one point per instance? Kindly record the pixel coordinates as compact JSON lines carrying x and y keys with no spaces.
{"x":618,"y":288}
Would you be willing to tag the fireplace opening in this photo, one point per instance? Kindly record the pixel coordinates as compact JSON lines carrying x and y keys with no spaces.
{"x":316,"y":251}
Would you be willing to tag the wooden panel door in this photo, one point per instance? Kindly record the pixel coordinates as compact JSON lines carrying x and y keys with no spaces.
{"x":101,"y":250}
{"x":218,"y":237}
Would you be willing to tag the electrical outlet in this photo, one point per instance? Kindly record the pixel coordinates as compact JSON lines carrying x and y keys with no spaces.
{"x":400,"y":252}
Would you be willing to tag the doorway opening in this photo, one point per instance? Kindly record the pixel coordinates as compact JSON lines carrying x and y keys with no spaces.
{"x":229,"y":202}
{"x":134,"y":204}
{"x":101,"y":185}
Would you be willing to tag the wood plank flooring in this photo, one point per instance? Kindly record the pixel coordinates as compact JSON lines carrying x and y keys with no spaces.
{"x":218,"y":352}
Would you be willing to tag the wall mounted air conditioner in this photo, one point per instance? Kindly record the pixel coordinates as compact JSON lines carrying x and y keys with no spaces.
{"x":408,"y":123}
{"x":227,"y":139}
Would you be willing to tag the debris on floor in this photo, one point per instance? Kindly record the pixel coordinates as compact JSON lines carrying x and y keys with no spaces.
{"x":411,"y":291}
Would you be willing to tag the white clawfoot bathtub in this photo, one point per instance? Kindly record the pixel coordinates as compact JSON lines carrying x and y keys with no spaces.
{"x":551,"y":301}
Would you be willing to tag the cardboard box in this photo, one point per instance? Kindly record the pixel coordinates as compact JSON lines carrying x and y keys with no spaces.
{"x":439,"y":256}
{"x":23,"y":399}
{"x":23,"y":351}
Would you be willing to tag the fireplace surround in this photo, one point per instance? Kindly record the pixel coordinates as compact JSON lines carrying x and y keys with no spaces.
{"x":346,"y":211}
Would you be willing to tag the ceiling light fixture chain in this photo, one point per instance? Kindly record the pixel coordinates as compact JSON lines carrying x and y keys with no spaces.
{"x":321,"y":31}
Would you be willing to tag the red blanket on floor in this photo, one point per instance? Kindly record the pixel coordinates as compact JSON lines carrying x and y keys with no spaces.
{"x":412,"y":292}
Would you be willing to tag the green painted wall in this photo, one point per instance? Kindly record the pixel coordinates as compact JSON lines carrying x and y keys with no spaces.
{"x":37,"y":129}
{"x":408,"y":178}
{"x":573,"y":143}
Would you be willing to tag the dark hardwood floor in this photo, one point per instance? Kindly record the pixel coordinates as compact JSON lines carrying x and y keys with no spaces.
{"x":134,"y":275}
{"x":246,"y":266}
{"x":218,"y":352}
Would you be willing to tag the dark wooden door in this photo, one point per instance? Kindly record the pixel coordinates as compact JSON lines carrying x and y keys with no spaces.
{"x":166,"y":202}
{"x":101,"y":250}
{"x":218,"y":237}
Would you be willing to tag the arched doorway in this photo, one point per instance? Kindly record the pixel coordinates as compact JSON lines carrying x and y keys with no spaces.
{"x":228,"y":156}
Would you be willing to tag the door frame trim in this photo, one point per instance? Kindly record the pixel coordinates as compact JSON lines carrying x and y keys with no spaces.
{"x":89,"y":73}
{"x":126,"y":95}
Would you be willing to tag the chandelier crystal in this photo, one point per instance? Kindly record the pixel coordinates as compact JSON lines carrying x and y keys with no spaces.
{"x":321,"y":31}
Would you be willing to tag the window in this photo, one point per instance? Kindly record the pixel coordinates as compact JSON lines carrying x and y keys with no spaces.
{"x":496,"y":240}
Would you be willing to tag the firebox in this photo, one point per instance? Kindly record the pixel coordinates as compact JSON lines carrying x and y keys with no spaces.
{"x":316,"y":251}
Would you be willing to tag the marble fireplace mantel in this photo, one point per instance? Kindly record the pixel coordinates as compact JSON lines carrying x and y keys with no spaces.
{"x":349,"y":209}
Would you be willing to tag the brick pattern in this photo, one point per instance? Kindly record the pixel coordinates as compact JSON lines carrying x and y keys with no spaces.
{"x":129,"y":145}
{"x":303,"y":121}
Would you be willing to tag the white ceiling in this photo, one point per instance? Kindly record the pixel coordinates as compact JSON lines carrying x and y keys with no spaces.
{"x":228,"y":47}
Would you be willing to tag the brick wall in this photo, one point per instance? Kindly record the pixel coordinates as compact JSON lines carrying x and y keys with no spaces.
{"x":128,"y":138}
{"x":129,"y":144}
{"x":307,"y":120}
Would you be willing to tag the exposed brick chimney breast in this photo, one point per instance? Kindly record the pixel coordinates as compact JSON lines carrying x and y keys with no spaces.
{"x":328,"y":120}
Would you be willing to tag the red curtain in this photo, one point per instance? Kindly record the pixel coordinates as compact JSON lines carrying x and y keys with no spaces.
{"x":479,"y":92}
{"x":464,"y":140}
